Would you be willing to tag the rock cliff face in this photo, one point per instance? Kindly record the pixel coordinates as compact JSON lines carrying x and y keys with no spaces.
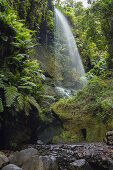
{"x":82,"y":156}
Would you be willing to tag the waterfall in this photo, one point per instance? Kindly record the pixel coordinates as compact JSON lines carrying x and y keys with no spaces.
{"x":69,"y":68}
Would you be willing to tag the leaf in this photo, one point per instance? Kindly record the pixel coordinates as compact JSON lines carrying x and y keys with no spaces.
{"x":49,"y":97}
{"x":25,"y":87}
{"x":32,"y":101}
{"x":1,"y":106}
{"x":20,"y":101}
{"x":10,"y":95}
{"x":40,"y":75}
{"x":30,"y":46}
{"x":1,"y":75}
{"x":27,"y":107}
{"x":4,"y":38}
{"x":2,"y":85}
{"x":30,"y":84}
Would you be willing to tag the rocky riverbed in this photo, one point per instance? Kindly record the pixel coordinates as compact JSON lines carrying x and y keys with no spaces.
{"x":76,"y":156}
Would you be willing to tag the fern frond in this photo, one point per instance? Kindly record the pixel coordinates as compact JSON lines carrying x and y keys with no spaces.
{"x":30,"y":84}
{"x":20,"y":102}
{"x":10,"y":94}
{"x":27,"y":107}
{"x":32,"y":101}
{"x":25,"y":87}
{"x":1,"y":106}
{"x":1,"y":85}
{"x":48,"y":97}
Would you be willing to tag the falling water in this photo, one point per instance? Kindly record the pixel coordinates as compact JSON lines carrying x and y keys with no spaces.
{"x":66,"y":48}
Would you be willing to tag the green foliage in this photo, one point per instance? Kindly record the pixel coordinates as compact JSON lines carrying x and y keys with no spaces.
{"x":13,"y":145}
{"x":31,"y":100}
{"x":93,"y":30}
{"x":55,"y":139}
{"x":37,"y":16}
{"x":20,"y":77}
{"x":68,"y":11}
{"x":96,"y":99}
{"x":10,"y":95}
{"x":103,"y":10}
{"x":98,"y":69}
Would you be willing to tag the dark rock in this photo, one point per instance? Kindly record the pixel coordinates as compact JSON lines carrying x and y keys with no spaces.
{"x":11,"y":167}
{"x":49,"y":130}
{"x":80,"y":164}
{"x":87,"y":156}
{"x":110,"y":162}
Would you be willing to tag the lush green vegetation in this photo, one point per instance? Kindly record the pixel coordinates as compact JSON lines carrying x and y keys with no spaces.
{"x":95,"y":99}
{"x":25,"y":24}
{"x":94,"y":38}
{"x":37,"y":15}
{"x":20,"y":76}
{"x":93,"y":33}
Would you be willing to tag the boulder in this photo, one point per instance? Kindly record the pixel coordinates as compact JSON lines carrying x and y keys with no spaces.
{"x":29,"y":159}
{"x":41,"y":163}
{"x":110,"y":162}
{"x":11,"y":167}
{"x":109,"y":133}
{"x":19,"y":158}
{"x":80,"y":164}
{"x":39,"y":142}
{"x":109,"y":138}
{"x":3,"y":160}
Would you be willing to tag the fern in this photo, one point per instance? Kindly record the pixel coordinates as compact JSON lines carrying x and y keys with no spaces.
{"x":48,"y":97}
{"x":27,"y":107}
{"x":1,"y":85}
{"x":25,"y":87}
{"x":20,"y":102}
{"x":1,"y":106}
{"x":10,"y":94}
{"x":30,"y":84}
{"x":33,"y":102}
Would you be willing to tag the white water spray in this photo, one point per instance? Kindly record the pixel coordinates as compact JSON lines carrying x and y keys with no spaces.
{"x":65,"y":44}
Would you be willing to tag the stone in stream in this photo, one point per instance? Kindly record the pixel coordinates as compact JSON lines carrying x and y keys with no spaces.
{"x":29,"y":159}
{"x":39,"y":142}
{"x":80,"y":164}
{"x":110,"y":162}
{"x":109,"y":138}
{"x":3,"y":160}
{"x":11,"y":167}
{"x":41,"y":163}
{"x":55,"y":157}
{"x":19,"y":158}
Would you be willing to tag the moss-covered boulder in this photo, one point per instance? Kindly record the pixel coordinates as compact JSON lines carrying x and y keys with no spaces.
{"x":89,"y":115}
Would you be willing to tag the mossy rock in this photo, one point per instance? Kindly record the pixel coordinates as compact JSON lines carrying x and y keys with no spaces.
{"x":89,"y":115}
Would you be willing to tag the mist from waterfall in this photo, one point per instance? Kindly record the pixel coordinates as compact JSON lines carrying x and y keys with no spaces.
{"x":66,"y":51}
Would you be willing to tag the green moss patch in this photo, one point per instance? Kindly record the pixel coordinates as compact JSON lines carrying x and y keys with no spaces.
{"x":91,"y":110}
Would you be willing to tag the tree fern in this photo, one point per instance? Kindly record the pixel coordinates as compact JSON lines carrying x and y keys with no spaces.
{"x":20,"y":102}
{"x":27,"y":107}
{"x":33,"y":102}
{"x":10,"y":94}
{"x":1,"y":106}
